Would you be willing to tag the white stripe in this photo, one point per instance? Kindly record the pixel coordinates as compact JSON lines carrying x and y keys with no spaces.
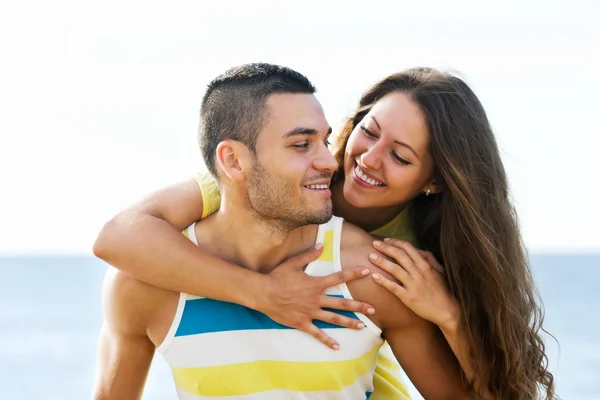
{"x":222,"y":348}
{"x":320,"y":268}
{"x":310,"y":268}
{"x":192,"y":233}
{"x":192,"y":236}
{"x":174,"y":325}
{"x":334,"y":291}
{"x":356,"y":391}
{"x":324,"y":268}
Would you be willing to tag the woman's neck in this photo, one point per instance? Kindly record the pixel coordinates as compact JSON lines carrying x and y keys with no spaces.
{"x":368,"y":219}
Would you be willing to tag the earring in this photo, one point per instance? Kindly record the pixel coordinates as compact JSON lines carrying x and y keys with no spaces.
{"x":427,"y":192}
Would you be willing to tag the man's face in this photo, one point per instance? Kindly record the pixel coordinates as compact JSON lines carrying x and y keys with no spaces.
{"x":290,"y":178}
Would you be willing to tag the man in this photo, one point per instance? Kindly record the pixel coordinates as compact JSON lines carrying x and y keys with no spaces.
{"x":263,"y":135}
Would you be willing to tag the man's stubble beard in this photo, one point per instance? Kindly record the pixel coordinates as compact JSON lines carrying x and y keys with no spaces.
{"x":269,"y":199}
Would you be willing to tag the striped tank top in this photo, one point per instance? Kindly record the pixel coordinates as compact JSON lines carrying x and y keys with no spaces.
{"x":222,"y":350}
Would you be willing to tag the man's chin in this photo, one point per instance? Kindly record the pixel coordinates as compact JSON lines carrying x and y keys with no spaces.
{"x":321,"y":218}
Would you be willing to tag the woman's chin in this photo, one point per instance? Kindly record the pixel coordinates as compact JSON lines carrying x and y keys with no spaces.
{"x":359,"y":200}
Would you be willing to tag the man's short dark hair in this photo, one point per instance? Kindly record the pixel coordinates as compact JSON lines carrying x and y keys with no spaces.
{"x":234,"y":105}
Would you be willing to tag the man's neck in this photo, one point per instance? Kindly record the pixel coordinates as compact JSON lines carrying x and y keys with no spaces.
{"x":240,"y":237}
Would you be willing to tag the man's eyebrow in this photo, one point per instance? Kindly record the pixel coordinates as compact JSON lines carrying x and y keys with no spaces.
{"x":397,"y":141}
{"x":300,"y":131}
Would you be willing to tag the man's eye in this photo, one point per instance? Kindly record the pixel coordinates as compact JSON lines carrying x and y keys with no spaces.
{"x":301,"y":145}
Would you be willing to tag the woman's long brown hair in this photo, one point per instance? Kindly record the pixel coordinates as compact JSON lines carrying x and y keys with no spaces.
{"x":471,"y":226}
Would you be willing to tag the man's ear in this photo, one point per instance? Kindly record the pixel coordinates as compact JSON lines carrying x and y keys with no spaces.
{"x":235,"y":159}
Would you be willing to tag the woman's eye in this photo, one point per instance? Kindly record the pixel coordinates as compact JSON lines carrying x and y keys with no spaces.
{"x":400,"y":159}
{"x":367,"y":132}
{"x":327,"y":142}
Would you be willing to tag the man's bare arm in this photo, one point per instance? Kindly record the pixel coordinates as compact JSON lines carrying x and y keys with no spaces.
{"x":419,"y":346}
{"x":124,"y":352}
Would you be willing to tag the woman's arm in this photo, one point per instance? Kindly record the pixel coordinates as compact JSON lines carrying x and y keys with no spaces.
{"x":457,"y":340}
{"x":425,"y":292}
{"x":145,"y":241}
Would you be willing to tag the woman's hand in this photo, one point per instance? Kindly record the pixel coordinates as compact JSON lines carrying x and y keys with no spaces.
{"x":293,"y":298}
{"x":423,"y":288}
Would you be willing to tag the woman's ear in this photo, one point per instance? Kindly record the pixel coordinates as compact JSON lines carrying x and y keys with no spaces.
{"x":432,"y":187}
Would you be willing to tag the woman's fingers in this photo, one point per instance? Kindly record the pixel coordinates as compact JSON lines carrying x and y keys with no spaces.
{"x":306,"y":257}
{"x":340,"y":320}
{"x":318,"y":334}
{"x":341,"y":303}
{"x":342,"y":276}
{"x":423,"y":260}
{"x":392,"y":286}
{"x":419,"y":261}
{"x":433,"y":261}
{"x":396,"y":270}
{"x":398,"y":254}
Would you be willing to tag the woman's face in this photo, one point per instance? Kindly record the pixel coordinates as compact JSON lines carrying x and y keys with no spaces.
{"x":387,"y":161}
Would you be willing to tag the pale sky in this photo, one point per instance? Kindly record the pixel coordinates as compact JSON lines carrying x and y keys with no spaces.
{"x":99,"y":101}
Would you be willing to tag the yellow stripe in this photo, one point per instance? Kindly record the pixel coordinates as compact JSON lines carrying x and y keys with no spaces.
{"x":265,"y":375}
{"x":388,"y":382}
{"x":186,"y":233}
{"x":327,"y":254}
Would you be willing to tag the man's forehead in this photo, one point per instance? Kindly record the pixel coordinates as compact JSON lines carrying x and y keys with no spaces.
{"x":291,"y":110}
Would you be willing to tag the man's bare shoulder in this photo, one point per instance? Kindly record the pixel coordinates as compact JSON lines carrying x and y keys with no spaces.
{"x":353,"y":236}
{"x":355,"y":247}
{"x":131,"y":306}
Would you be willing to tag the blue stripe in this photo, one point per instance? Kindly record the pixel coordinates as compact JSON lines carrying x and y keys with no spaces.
{"x":368,"y":395}
{"x":208,"y":315}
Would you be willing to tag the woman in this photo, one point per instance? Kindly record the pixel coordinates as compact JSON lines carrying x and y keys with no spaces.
{"x":418,"y":163}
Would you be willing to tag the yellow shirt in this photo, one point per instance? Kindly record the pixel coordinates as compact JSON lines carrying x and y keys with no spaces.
{"x":388,"y":381}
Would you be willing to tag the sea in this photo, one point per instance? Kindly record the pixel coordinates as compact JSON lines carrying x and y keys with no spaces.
{"x":50,"y":317}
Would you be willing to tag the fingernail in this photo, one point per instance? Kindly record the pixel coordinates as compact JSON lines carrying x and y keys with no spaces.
{"x":377,"y":243}
{"x":387,"y":239}
{"x":360,"y":326}
{"x":370,"y":310}
{"x":318,"y":246}
{"x":373,"y":256}
{"x":376,"y":276}
{"x":336,"y":346}
{"x":365,"y":272}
